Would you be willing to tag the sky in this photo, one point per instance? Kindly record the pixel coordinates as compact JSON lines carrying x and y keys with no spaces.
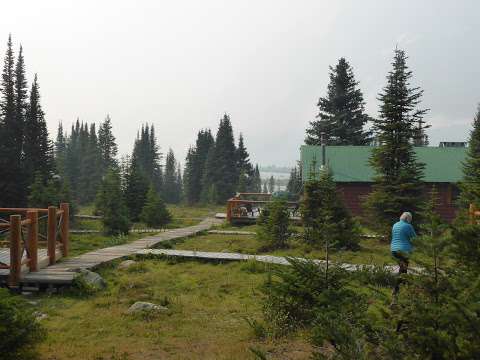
{"x":181,"y":65}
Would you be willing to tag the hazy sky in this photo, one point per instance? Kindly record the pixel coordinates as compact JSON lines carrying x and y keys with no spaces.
{"x":181,"y":64}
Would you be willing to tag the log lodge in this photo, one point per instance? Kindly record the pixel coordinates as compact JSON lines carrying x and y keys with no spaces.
{"x":354,"y":176}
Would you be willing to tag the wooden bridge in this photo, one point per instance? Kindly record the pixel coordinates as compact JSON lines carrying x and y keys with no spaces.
{"x":32,"y":239}
{"x":65,"y":271}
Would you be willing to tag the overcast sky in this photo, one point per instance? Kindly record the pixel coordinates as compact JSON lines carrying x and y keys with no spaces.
{"x":181,"y":64}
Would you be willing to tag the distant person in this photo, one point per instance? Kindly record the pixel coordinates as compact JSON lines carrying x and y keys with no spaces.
{"x":401,"y":245}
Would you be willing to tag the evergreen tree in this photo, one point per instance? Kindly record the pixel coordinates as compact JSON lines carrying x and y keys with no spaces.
{"x":179,"y":183}
{"x":195,"y":166}
{"x":257,"y":181}
{"x":111,"y":205}
{"x":244,"y":167}
{"x":91,"y":166}
{"x":42,"y":194}
{"x":21,"y":95}
{"x":60,"y":150}
{"x":209,"y":189}
{"x":154,"y":212}
{"x":148,"y":156}
{"x":107,"y":145}
{"x":325,"y":217}
{"x":170,"y":186}
{"x":295,"y":183}
{"x":398,"y":185}
{"x":12,"y":191}
{"x":223,"y":168}
{"x":271,"y":184}
{"x":470,"y":185}
{"x":274,"y":229}
{"x":38,"y":149}
{"x":342,"y":112}
{"x":136,"y":190}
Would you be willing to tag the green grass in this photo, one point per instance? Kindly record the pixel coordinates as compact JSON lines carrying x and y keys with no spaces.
{"x":183,"y":215}
{"x":372,"y":251}
{"x":207,"y":305}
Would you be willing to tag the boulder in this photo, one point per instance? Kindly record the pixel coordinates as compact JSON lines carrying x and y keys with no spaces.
{"x":39,"y":316}
{"x":141,"y":306}
{"x":126,"y":264}
{"x":92,"y":279}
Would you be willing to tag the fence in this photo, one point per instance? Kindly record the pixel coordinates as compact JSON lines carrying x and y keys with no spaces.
{"x":25,"y":236}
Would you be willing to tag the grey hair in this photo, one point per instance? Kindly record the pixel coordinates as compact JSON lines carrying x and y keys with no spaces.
{"x":406,"y":216}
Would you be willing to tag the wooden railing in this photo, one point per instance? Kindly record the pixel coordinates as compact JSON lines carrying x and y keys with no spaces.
{"x":24,"y":237}
{"x":473,"y":214}
{"x":250,"y":205}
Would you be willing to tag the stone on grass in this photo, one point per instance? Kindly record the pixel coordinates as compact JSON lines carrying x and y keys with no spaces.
{"x":92,"y":279}
{"x":126,"y":264}
{"x":142,"y":307}
{"x":39,"y":316}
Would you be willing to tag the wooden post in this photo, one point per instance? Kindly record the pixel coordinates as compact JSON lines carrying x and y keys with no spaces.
{"x":32,"y":237}
{"x":51,"y":233}
{"x":229,"y":211}
{"x":15,"y":253}
{"x":65,"y":227}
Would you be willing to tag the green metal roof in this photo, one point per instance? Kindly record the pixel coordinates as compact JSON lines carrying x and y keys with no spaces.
{"x":350,"y":163}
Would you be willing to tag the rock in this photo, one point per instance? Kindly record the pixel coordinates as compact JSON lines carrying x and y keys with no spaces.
{"x":39,"y":316}
{"x":141,"y":306}
{"x":92,"y":279}
{"x":126,"y":264}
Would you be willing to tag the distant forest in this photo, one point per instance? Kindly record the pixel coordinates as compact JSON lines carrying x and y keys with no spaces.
{"x":75,"y":168}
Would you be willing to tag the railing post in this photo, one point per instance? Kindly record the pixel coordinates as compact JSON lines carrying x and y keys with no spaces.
{"x":65,"y":227}
{"x":51,"y":233}
{"x":15,"y":253}
{"x":229,"y":211}
{"x":32,"y":237}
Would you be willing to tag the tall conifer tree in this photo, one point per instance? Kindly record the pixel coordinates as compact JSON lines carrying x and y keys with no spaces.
{"x":38,"y":149}
{"x":342,"y":112}
{"x":107,"y":145}
{"x":470,"y":186}
{"x":12,"y":191}
{"x":398,"y":179}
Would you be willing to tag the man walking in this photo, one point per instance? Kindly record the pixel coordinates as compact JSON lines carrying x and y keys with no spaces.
{"x":401,"y":245}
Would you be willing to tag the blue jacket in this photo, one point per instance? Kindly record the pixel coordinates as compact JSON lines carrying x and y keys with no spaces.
{"x":402,"y":234}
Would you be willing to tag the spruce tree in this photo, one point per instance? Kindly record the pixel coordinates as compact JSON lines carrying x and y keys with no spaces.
{"x":137,"y":186}
{"x":110,"y":203}
{"x":257,"y":181}
{"x":326,"y":219}
{"x":342,"y":115}
{"x":398,"y":179}
{"x":225,"y":169}
{"x":107,"y":145}
{"x":154,"y":212}
{"x":60,"y":150}
{"x":265,"y":188}
{"x":21,"y":95}
{"x":189,"y":179}
{"x":38,"y":149}
{"x":12,"y":187}
{"x":147,"y":154}
{"x":170,"y":188}
{"x":470,"y":185}
{"x":244,"y":167}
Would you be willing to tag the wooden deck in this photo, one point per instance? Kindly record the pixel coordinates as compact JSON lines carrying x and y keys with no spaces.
{"x":63,"y":272}
{"x":42,"y":261}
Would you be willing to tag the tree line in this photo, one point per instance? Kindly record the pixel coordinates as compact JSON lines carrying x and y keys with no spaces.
{"x":216,"y":168}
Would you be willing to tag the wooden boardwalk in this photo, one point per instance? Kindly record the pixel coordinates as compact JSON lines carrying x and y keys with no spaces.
{"x":270,"y":259}
{"x":63,"y":272}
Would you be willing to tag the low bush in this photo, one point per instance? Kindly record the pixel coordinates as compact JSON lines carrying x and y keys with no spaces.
{"x":19,"y":329}
{"x":274,"y":229}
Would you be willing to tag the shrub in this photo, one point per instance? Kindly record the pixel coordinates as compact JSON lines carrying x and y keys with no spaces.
{"x":274,"y":229}
{"x":19,"y":330}
{"x":155,"y":213}
{"x":325,"y":217}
